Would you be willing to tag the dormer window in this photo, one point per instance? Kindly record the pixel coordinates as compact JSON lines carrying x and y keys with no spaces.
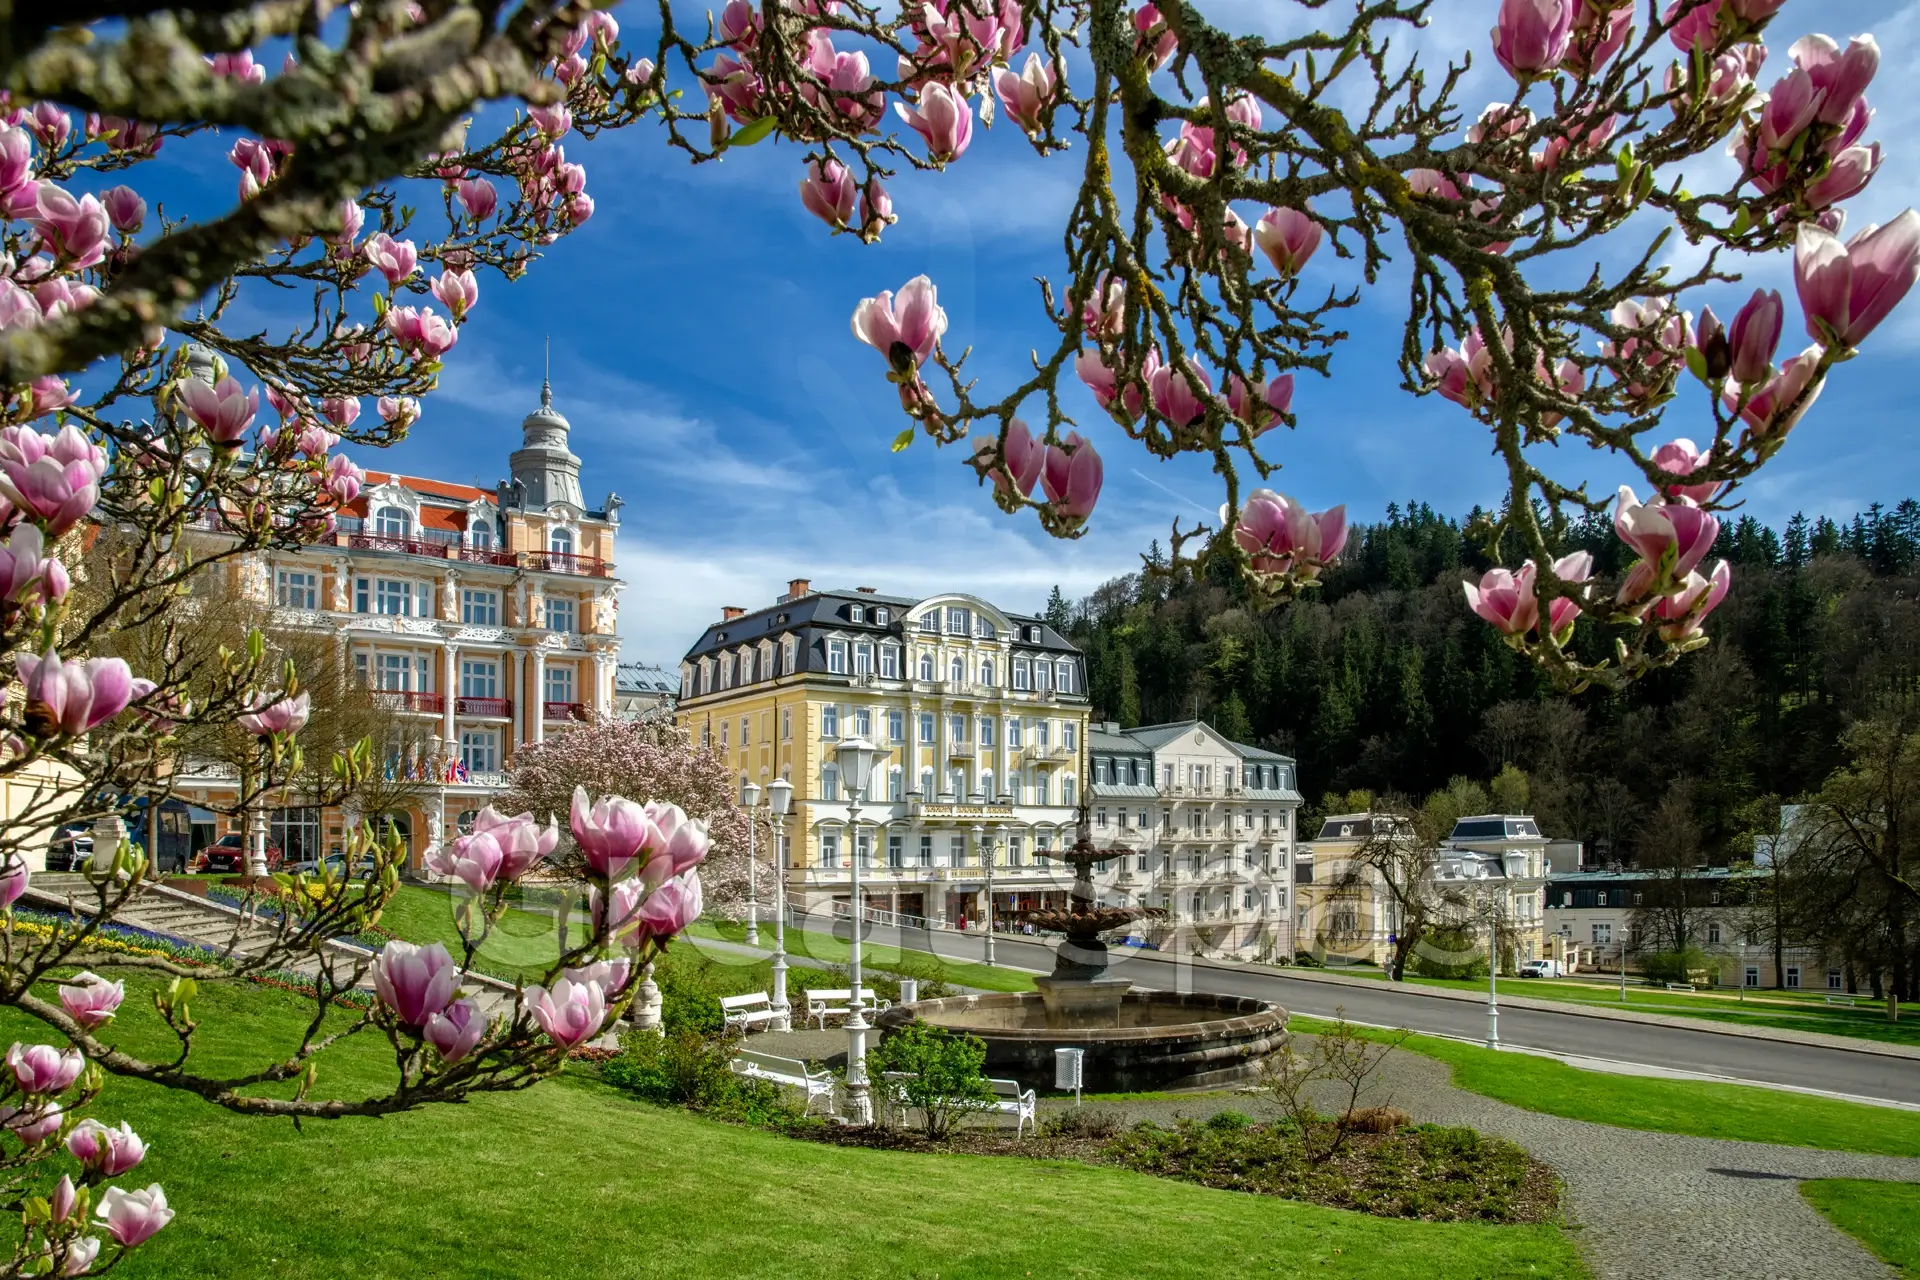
{"x":930,"y":622}
{"x":881,"y":617}
{"x":856,"y":613}
{"x":983,"y":627}
{"x":560,"y":541}
{"x":392,"y":522}
{"x":480,"y":534}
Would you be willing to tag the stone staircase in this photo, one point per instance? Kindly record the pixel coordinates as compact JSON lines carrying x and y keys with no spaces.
{"x":190,"y":918}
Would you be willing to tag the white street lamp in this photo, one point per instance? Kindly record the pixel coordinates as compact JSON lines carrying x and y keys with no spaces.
{"x":856,"y":756}
{"x":1493,"y":973}
{"x":985,"y":843}
{"x":779,"y":804}
{"x":749,"y":799}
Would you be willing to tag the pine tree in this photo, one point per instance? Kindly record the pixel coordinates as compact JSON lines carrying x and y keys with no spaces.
{"x":1058,"y":614}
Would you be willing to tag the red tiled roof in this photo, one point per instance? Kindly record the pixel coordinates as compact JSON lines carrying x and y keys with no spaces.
{"x":432,"y":488}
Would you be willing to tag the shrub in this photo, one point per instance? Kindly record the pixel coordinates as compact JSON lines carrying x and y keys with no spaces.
{"x":1229,"y":1119}
{"x":936,"y":1072}
{"x":1374,"y":1119}
{"x":1449,"y":951}
{"x":683,"y":1068}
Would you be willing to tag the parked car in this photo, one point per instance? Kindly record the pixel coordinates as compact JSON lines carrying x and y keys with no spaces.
{"x":229,"y":855}
{"x":70,"y":849}
{"x":1540,"y":969}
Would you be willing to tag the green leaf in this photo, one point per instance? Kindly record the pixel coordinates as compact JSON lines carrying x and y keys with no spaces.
{"x":1742,"y":220}
{"x":380,"y":305}
{"x":904,"y":439}
{"x":752,"y":133}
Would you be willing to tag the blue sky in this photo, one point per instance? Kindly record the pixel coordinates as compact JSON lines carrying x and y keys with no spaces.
{"x":699,"y":329}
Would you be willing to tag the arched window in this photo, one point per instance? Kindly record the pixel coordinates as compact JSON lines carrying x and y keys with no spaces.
{"x":392,"y":522}
{"x":926,"y":666}
{"x":560,"y":541}
{"x":986,"y":672}
{"x":480,"y":533}
{"x":957,"y":670}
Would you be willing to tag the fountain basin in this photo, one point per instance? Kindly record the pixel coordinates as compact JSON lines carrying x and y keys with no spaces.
{"x":1153,"y":1040}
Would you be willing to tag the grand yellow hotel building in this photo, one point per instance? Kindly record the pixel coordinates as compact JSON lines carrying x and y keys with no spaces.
{"x":980,"y":716}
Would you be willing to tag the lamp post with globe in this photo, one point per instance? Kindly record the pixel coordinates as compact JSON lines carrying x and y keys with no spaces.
{"x":856,"y":756}
{"x":779,"y":805}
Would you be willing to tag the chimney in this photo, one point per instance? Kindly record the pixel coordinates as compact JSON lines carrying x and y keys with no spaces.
{"x":1111,"y":726}
{"x":731,"y":611}
{"x":798,"y":587}
{"x":866,"y":591}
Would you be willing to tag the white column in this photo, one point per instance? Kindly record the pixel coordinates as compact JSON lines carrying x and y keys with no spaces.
{"x":536,"y":705}
{"x":450,"y":693}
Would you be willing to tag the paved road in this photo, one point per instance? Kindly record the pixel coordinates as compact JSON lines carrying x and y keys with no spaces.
{"x":1765,"y":1061}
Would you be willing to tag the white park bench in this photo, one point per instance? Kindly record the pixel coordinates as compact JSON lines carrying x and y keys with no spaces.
{"x":1846,"y":1000}
{"x":748,"y":1011}
{"x":1008,"y":1099}
{"x":1680,"y":986}
{"x":837,"y":1002}
{"x":790,"y":1072}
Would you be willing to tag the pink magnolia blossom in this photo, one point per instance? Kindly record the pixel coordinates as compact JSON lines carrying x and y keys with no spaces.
{"x":1152,"y":38}
{"x":674,"y":843}
{"x":1599,"y":32}
{"x":1505,"y":599}
{"x":352,"y":218}
{"x":876,"y":210}
{"x":33,"y":1125}
{"x":1771,"y":411}
{"x":553,"y":121}
{"x":106,"y":1152}
{"x":1071,"y":477}
{"x":276,"y":713}
{"x":478,"y":197}
{"x":53,"y":478}
{"x":1755,"y":336}
{"x":829,"y":192}
{"x":458,"y":290}
{"x":343,"y":479}
{"x":398,"y":411}
{"x":50,"y":124}
{"x":43,"y":1069}
{"x":1789,"y":111}
{"x":90,"y":999}
{"x":223,"y":410}
{"x":16,"y":159}
{"x":1262,"y":408}
{"x":1174,"y":395}
{"x":455,"y":1030}
{"x":942,"y":117}
{"x":13,"y":880}
{"x":1847,"y":289}
{"x":341,"y":410}
{"x":1672,"y":537}
{"x":72,"y":697}
{"x":1028,"y":93}
{"x":1464,"y":376}
{"x":1845,"y":178}
{"x":1840,"y":78}
{"x":611,"y":832}
{"x":1698,"y":596}
{"x":27,"y":573}
{"x":1025,"y":457}
{"x":579,"y":209}
{"x":125,"y":209}
{"x":314,"y":440}
{"x":739,"y":24}
{"x":134,"y":1217}
{"x":1531,"y":36}
{"x":239,"y":66}
{"x":905,"y":330}
{"x":474,"y":860}
{"x":670,"y":908}
{"x":614,"y":911}
{"x":1577,"y":567}
{"x":75,"y":229}
{"x":414,"y":982}
{"x":1289,"y":238}
{"x":1682,"y":457}
{"x":81,"y":1254}
{"x":571,"y":1013}
{"x":394,"y":259}
{"x":61,"y":1203}
{"x":739,"y":90}
{"x":1280,"y":535}
{"x":1105,"y":313}
{"x":613,"y":974}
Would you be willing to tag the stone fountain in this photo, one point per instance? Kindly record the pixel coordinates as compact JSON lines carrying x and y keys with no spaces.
{"x":1132,"y":1040}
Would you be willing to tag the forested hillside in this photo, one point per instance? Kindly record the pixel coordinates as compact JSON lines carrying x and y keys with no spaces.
{"x":1384,"y":681}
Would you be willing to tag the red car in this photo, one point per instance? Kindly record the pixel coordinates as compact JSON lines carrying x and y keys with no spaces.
{"x":229,"y":855}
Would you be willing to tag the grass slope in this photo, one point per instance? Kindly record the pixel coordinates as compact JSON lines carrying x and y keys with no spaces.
{"x":572,"y":1179}
{"x":1702,"y":1108}
{"x":1883,"y":1216}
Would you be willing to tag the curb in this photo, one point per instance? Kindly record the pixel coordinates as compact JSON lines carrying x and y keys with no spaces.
{"x":1813,"y":1039}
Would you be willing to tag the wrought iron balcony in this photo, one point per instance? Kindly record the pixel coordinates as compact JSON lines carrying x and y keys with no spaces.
{"x":483,"y":706}
{"x":565,"y":710}
{"x":566,"y":562}
{"x":409,"y":700}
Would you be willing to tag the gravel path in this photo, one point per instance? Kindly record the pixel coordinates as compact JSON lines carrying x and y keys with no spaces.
{"x":1656,"y":1205}
{"x":1642,"y":1206}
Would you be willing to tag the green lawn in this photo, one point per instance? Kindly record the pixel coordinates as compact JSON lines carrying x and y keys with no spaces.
{"x":1755,"y":1008}
{"x":573,"y":1179}
{"x":1701,"y":1108}
{"x":828,"y":949}
{"x":521,"y":944}
{"x":1883,"y":1216}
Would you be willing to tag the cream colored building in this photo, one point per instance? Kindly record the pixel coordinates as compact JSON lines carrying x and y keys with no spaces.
{"x":980,"y":715}
{"x":485,"y":618}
